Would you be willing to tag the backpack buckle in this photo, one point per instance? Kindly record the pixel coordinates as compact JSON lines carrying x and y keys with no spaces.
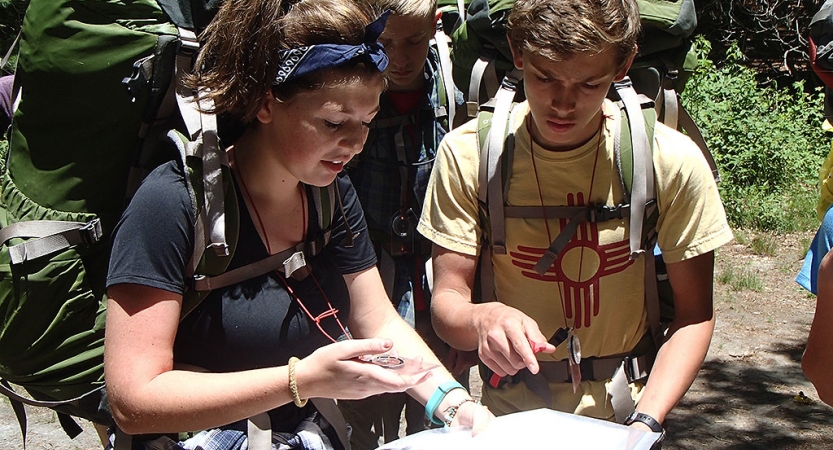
{"x":635,"y":367}
{"x":604,"y":213}
{"x":91,"y":233}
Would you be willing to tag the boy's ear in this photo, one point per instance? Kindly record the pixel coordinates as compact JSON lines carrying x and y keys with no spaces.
{"x":627,"y":65}
{"x":517,"y":56}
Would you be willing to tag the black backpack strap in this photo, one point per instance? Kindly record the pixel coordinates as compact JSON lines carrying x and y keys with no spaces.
{"x":68,"y":424}
{"x":17,"y":407}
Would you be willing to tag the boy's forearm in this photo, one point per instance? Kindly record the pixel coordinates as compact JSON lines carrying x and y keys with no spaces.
{"x":452,"y":318}
{"x":677,"y":364}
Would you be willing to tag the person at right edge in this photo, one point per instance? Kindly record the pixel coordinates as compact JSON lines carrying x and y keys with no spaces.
{"x":570,"y":53}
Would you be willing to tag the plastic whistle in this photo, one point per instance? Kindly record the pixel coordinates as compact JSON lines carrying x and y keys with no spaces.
{"x":536,"y":348}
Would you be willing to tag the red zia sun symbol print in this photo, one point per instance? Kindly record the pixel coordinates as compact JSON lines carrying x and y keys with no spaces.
{"x":578,"y":268}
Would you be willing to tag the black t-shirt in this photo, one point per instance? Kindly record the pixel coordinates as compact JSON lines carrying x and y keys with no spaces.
{"x":255,"y":323}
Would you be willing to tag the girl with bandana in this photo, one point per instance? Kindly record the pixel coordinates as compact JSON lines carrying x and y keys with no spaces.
{"x":304,"y":78}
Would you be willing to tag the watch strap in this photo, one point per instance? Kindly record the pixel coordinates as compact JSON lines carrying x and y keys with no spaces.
{"x":652,"y":423}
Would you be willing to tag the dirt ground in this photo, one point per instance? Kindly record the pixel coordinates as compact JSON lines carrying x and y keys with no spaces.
{"x":747,"y":395}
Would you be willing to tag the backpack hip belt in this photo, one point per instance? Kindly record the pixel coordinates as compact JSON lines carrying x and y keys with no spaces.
{"x":621,"y":370}
{"x":597,"y":369}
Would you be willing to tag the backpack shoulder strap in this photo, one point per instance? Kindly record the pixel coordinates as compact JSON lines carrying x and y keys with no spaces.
{"x":633,"y":150}
{"x":445,"y":85}
{"x":496,"y":144}
{"x":202,"y":262}
{"x":634,"y":156}
{"x":498,"y":140}
{"x":210,"y":269}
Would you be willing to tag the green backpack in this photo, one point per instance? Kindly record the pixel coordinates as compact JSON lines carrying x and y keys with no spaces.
{"x":481,"y":55}
{"x":97,"y":96}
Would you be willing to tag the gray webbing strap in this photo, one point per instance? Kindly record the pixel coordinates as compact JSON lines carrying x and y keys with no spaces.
{"x":199,"y":221}
{"x":642,"y":164}
{"x":17,"y":401}
{"x":620,"y":395}
{"x":687,"y":124}
{"x":560,"y":241}
{"x":328,"y":408}
{"x":44,"y":403}
{"x":670,"y":103}
{"x":445,"y":67}
{"x":500,"y":132}
{"x":576,"y":215}
{"x":500,"y":135}
{"x":202,"y":131}
{"x":477,"y":71}
{"x":199,"y":245}
{"x":549,"y":212}
{"x":213,"y":158}
{"x":289,"y":262}
{"x":259,"y":432}
{"x":461,"y":8}
{"x":50,"y":236}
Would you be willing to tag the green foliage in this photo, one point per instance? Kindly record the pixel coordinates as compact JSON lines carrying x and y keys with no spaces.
{"x":764,"y":244}
{"x":767,"y":141}
{"x":740,"y":279}
{"x":11,"y":17}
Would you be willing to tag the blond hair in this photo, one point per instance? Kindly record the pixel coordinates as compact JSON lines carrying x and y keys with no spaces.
{"x":560,"y":29}
{"x":238,"y":61}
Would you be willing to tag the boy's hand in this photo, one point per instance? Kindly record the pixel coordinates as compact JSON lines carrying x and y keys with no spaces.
{"x":508,"y":339}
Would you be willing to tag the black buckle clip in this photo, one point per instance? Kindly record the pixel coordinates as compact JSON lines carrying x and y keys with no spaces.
{"x":603,"y":213}
{"x":91,"y":232}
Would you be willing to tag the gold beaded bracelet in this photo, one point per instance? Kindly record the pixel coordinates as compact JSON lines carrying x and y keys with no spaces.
{"x":293,"y":385}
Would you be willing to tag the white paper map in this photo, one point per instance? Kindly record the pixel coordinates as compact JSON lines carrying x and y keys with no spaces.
{"x":541,"y":428}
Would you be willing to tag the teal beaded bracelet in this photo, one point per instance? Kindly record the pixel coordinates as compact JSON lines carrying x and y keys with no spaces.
{"x":437,"y":398}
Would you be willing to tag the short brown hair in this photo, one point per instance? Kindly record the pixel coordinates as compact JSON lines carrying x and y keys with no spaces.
{"x":560,"y":29}
{"x":238,"y":62}
{"x":416,"y":8}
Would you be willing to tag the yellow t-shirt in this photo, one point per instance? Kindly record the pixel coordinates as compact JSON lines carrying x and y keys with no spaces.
{"x":593,"y":286}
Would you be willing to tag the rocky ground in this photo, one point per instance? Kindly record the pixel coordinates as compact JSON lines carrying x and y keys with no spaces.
{"x":747,"y":396}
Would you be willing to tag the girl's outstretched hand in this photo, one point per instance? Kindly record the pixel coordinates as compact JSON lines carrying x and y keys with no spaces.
{"x":343,"y":370}
{"x":474,"y":415}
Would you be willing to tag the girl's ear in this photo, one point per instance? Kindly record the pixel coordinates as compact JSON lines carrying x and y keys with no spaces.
{"x":267,"y":108}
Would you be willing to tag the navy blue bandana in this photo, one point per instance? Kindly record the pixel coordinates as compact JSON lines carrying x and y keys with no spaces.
{"x":301,"y":61}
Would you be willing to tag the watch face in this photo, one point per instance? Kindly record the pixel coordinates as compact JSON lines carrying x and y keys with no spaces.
{"x":574,"y":349}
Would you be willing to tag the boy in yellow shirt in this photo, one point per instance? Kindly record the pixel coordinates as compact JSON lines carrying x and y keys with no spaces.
{"x":571,"y":52}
